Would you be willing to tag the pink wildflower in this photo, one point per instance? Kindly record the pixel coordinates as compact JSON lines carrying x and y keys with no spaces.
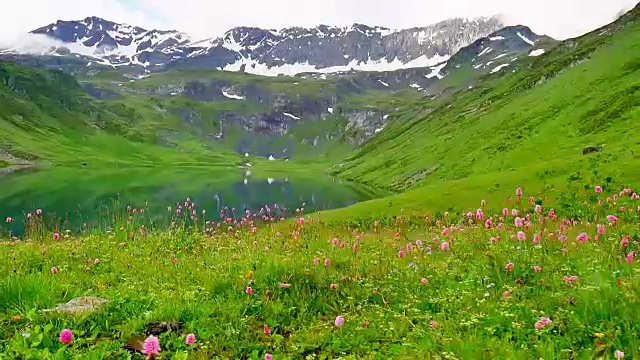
{"x":56,"y":236}
{"x":537,"y":268}
{"x":509,"y":266}
{"x":424,"y":280}
{"x":518,"y":192}
{"x":38,"y":211}
{"x":612,"y":218}
{"x":518,"y":222}
{"x":598,"y":188}
{"x":54,"y":270}
{"x":444,"y":246}
{"x":570,"y":279}
{"x":9,"y":220}
{"x":505,"y":212}
{"x":66,"y":336}
{"x":327,"y":262}
{"x":191,"y":339}
{"x":339,"y":321}
{"x":268,"y":356}
{"x":249,"y":290}
{"x":543,"y":322}
{"x":536,"y":238}
{"x":333,"y":286}
{"x":266,"y":330}
{"x":521,"y":236}
{"x":433,"y":324}
{"x":506,"y":294}
{"x":630,"y":257}
{"x":316,"y":261}
{"x":400,"y":254}
{"x":151,"y":346}
{"x":619,"y":354}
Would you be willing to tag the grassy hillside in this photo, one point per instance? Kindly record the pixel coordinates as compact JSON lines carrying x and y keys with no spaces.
{"x":46,"y":116}
{"x":530,"y":127}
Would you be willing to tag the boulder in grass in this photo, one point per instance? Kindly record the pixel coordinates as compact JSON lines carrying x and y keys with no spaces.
{"x":79,"y":305}
{"x":591,"y":149}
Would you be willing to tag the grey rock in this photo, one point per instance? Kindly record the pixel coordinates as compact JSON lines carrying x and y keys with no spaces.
{"x":79,"y":305}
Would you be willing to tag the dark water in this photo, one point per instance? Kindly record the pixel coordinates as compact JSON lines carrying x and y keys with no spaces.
{"x":70,"y":198}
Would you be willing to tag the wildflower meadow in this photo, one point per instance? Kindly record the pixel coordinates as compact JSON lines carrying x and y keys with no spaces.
{"x":511,"y":280}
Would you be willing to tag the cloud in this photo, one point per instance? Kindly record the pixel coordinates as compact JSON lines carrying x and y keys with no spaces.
{"x":30,"y":43}
{"x":201,"y":19}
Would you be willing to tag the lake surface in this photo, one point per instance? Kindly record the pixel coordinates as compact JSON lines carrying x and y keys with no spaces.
{"x":72,"y":197}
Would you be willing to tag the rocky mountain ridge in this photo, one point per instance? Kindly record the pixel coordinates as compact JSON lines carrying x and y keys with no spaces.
{"x":287,"y":51}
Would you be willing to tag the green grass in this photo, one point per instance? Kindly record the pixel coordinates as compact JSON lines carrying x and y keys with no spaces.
{"x":469,"y":302}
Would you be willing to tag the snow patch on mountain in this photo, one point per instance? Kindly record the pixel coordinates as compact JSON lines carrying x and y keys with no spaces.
{"x":232,"y":96}
{"x":254,"y":67}
{"x":536,"y":52}
{"x":525,"y":39}
{"x":291,"y":116}
{"x":498,"y":68}
{"x":435,"y":71}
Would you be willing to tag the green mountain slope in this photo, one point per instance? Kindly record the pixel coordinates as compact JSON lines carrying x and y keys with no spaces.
{"x":530,"y":127}
{"x":46,"y":116}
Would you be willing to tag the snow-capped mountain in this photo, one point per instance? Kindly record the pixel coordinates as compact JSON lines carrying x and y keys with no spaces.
{"x":108,"y":42}
{"x":489,"y":54}
{"x":289,"y":51}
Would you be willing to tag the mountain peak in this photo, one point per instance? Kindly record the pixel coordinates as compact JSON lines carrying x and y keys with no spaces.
{"x":286,"y":51}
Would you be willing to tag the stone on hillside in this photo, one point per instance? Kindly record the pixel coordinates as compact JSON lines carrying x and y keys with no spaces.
{"x":591,"y":149}
{"x":79,"y":305}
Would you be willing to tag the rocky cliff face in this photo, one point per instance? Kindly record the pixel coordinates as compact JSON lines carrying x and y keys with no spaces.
{"x":287,"y":51}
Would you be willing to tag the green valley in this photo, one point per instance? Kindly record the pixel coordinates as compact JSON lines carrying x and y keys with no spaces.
{"x":156,"y":206}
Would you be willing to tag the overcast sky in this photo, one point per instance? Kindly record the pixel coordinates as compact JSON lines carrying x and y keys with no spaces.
{"x":205,"y":18}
